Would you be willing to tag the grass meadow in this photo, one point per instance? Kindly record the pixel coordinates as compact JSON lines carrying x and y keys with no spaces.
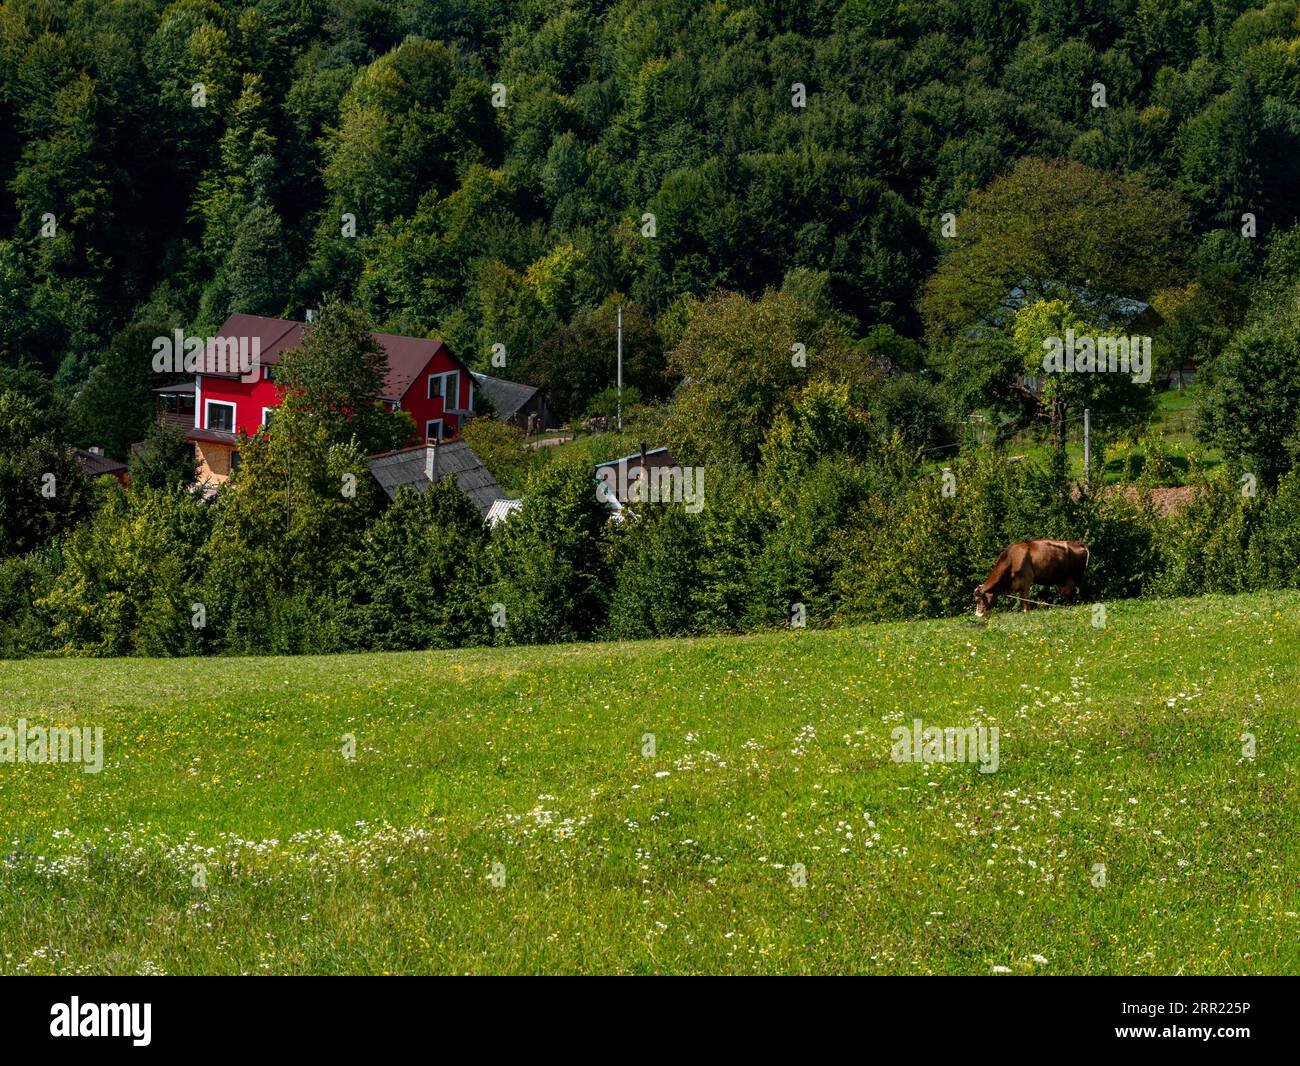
{"x":505,"y":811}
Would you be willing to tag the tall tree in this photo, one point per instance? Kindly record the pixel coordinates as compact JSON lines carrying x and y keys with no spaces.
{"x":1055,"y":230}
{"x":42,"y":489}
{"x":745,"y":361}
{"x":579,"y":359}
{"x":335,"y":379}
{"x":115,"y":406}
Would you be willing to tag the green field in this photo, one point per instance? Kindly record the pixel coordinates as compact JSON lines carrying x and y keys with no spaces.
{"x":1172,"y":427}
{"x":1119,"y":746}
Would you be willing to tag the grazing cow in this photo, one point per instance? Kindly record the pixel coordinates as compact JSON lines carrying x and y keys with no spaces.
{"x":1032,"y":562}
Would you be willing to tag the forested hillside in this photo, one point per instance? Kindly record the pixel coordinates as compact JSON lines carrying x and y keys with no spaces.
{"x":200,"y":157}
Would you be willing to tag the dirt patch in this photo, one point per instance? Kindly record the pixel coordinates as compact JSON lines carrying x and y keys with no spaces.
{"x":1165,"y":501}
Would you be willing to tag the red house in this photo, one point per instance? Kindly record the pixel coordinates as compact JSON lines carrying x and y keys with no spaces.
{"x":423,"y":378}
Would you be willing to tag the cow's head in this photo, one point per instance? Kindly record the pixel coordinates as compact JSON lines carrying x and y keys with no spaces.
{"x":984,"y":601}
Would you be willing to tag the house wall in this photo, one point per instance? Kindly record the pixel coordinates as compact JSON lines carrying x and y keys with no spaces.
{"x":422,"y":409}
{"x":214,"y":461}
{"x":248,"y":397}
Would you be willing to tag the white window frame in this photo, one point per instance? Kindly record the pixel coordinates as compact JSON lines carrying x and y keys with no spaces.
{"x":433,"y":422}
{"x":266,"y":411}
{"x":234,"y":415}
{"x":441,"y":391}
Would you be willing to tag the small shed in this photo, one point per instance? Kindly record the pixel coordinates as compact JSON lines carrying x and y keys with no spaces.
{"x":514,"y":402}
{"x":94,"y":463}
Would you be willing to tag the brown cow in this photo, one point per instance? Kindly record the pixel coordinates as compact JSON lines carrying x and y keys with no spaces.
{"x":1032,"y":562}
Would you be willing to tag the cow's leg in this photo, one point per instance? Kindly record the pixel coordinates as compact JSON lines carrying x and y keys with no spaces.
{"x":1066,"y":591}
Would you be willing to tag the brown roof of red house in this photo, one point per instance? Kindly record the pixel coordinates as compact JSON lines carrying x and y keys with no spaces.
{"x":407,"y":356}
{"x":273,"y":336}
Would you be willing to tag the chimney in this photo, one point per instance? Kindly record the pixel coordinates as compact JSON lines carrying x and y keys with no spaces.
{"x":311,"y":314}
{"x":431,"y":461}
{"x":96,"y":449}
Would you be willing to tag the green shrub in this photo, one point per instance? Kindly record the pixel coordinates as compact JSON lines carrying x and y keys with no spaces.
{"x":1276,"y":545}
{"x":501,"y":448}
{"x":655,"y":560}
{"x":25,"y":580}
{"x":545,"y":563}
{"x":414,"y":581}
{"x":1122,"y":539}
{"x":793,"y":565}
{"x":1206,"y":547}
{"x":920,"y":553}
{"x":128,"y":584}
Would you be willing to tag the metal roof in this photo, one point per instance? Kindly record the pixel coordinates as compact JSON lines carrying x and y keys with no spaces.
{"x":274,"y":336}
{"x":426,"y":464}
{"x":501,"y":510}
{"x":655,"y":457}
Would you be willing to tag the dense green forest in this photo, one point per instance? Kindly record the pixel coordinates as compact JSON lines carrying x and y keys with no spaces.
{"x":764,"y":138}
{"x":861,"y":181}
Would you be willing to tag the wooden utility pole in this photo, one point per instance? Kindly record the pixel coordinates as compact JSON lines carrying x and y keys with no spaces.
{"x":620,"y":368}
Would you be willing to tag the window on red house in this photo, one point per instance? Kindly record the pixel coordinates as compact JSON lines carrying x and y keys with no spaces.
{"x":219,"y":415}
{"x":447,"y":388}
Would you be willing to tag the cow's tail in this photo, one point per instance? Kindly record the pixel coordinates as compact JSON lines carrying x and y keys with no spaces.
{"x":1087,"y":556}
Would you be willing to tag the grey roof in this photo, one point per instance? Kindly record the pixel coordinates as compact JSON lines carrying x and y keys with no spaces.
{"x":1111,"y":312}
{"x":426,"y":464}
{"x":655,"y":457}
{"x":95,"y":464}
{"x":507,"y":396}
